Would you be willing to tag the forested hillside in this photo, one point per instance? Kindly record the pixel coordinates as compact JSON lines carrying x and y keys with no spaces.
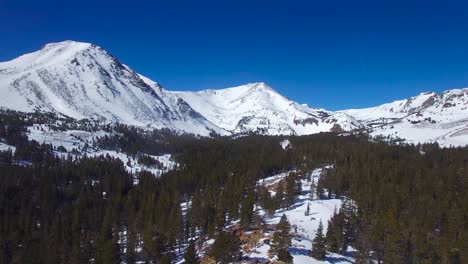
{"x":60,"y":207}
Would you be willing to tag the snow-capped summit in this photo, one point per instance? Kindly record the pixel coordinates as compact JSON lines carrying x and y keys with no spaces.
{"x":258,"y":108}
{"x":50,"y":54}
{"x":448,"y":105}
{"x":82,"y":80}
{"x":427,"y":117}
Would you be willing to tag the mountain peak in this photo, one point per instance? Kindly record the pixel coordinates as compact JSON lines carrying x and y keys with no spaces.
{"x":67,"y":44}
{"x":82,"y":80}
{"x":50,"y":54}
{"x":260,"y":86}
{"x":66,"y":48}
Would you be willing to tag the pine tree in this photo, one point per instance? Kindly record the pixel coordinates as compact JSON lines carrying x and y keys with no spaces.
{"x":108,"y":250}
{"x":247,"y":209}
{"x":334,"y":237}
{"x":226,"y":248}
{"x":190,"y":256}
{"x":312,"y":190}
{"x":307,"y":212}
{"x":319,"y":190}
{"x":281,"y":238}
{"x":318,"y":244}
{"x":285,"y":256}
{"x":291,"y":191}
{"x":348,"y":223}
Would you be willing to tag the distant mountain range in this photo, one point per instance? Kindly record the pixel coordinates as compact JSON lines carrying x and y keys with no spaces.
{"x":82,"y":80}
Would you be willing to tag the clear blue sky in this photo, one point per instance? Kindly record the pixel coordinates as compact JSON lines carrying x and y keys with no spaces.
{"x":331,"y":54}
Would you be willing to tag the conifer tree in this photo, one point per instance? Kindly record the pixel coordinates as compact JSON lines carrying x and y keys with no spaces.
{"x":318,"y":244}
{"x":291,"y":191}
{"x":285,"y":256}
{"x":247,"y":209}
{"x":319,"y":190}
{"x":312,"y":190}
{"x":348,"y":219}
{"x":107,"y":247}
{"x":226,"y":248}
{"x":307,"y":211}
{"x":190,"y":256}
{"x":281,"y":240}
{"x":334,"y":237}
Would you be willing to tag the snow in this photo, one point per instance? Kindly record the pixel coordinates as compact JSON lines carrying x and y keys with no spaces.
{"x":428,"y":117}
{"x":82,"y":80}
{"x":256,"y":107}
{"x":77,"y":139}
{"x":320,"y":210}
{"x":5,"y":147}
{"x":69,"y":139}
{"x":285,"y":144}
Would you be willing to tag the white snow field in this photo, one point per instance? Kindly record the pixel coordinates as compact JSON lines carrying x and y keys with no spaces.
{"x":256,"y":107}
{"x":77,"y":139}
{"x":320,"y":210}
{"x":427,"y":117}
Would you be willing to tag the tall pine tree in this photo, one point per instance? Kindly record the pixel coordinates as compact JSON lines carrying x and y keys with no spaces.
{"x":281,"y":240}
{"x":318,"y":244}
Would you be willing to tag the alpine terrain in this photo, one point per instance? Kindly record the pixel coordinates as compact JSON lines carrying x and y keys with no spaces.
{"x":99,"y":164}
{"x":81,"y":80}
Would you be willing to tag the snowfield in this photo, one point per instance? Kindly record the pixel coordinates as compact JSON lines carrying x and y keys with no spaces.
{"x":256,"y":107}
{"x":306,"y":226}
{"x":427,"y":117}
{"x":77,"y":139}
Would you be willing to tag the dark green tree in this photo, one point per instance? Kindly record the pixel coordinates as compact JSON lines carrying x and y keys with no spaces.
{"x":285,"y":256}
{"x":247,"y":209}
{"x":281,"y":239}
{"x":334,"y":237}
{"x":190,"y":255}
{"x":307,"y":211}
{"x":226,"y":248}
{"x":318,"y":244}
{"x":291,"y":191}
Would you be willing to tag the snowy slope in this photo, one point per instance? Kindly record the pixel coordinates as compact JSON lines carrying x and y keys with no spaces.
{"x":427,"y":117}
{"x":82,"y":80}
{"x":257,"y":108}
{"x":305,"y":225}
{"x":77,"y":140}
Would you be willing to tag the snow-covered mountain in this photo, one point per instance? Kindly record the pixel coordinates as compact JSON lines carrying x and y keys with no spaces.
{"x":82,"y":80}
{"x":257,"y":108}
{"x":427,"y":117}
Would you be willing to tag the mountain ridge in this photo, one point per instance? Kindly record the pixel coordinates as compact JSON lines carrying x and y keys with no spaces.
{"x":82,"y":80}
